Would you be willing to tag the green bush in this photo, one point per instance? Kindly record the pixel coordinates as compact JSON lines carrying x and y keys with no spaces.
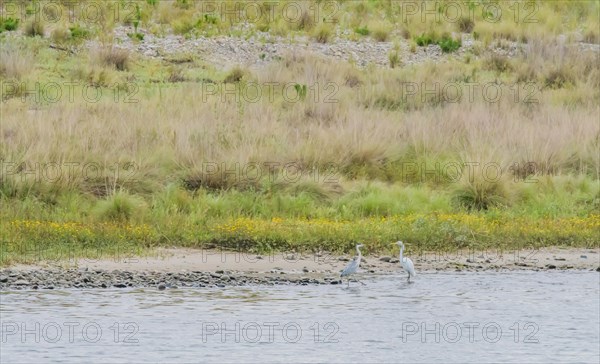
{"x":449,"y":45}
{"x":9,"y":24}
{"x":424,"y":40}
{"x":77,"y":32}
{"x":121,"y":206}
{"x":362,"y":31}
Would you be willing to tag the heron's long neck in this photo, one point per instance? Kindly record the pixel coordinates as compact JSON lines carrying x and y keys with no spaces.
{"x":401,"y":251}
{"x":358,"y":251}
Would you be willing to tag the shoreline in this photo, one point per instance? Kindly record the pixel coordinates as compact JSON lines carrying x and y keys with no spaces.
{"x":185,"y":267}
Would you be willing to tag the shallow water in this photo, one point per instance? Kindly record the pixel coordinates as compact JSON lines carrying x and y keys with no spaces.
{"x":450,"y":317}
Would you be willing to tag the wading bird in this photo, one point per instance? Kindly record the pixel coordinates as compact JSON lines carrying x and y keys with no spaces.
{"x":352,"y":267}
{"x":406,"y":263}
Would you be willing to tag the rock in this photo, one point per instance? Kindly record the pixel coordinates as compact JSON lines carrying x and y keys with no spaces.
{"x":120,"y":285}
{"x":583,"y":256}
{"x":305,"y":270}
{"x":550,"y":266}
{"x":21,"y":282}
{"x":598,"y":269}
{"x":385,"y":259}
{"x":3,"y":279}
{"x":161,"y":286}
{"x":560,"y":259}
{"x":394,"y":260}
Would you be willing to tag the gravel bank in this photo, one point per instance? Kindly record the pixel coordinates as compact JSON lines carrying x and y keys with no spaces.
{"x":170,"y":268}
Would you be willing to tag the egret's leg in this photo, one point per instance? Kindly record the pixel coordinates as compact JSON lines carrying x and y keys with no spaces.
{"x":408,"y":277}
{"x":364,"y":284}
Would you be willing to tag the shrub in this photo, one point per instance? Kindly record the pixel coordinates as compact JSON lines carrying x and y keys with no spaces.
{"x":136,"y":36}
{"x":424,"y":40}
{"x":114,"y":57}
{"x":405,"y":33}
{"x":448,"y":44}
{"x":480,"y":194}
{"x":183,"y":25}
{"x":9,"y":24}
{"x":323,"y":33}
{"x":77,"y":32}
{"x":394,"y":58}
{"x":235,"y":75}
{"x":306,"y":21}
{"x":176,"y":75}
{"x":466,"y":25}
{"x":497,"y":62}
{"x":558,"y":77}
{"x":120,"y":206}
{"x":362,"y":31}
{"x":381,"y":34}
{"x":34,"y":28}
{"x":60,"y":35}
{"x":413,"y":46}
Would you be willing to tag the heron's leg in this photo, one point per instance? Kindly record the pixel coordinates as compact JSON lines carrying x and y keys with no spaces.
{"x":364,"y":284}
{"x":408,"y":277}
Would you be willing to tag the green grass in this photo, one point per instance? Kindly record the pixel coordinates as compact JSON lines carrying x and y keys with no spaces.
{"x":556,"y":211}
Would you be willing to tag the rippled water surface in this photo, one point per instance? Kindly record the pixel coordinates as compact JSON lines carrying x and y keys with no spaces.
{"x":450,"y":317}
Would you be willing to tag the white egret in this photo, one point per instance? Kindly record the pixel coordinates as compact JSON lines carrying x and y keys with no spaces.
{"x":406,"y":263}
{"x":352,"y":267}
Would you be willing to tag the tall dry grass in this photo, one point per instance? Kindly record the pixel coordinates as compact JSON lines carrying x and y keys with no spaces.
{"x":16,"y":61}
{"x":171,"y":136}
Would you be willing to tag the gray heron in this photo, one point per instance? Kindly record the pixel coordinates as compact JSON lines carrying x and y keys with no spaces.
{"x":352,"y":267}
